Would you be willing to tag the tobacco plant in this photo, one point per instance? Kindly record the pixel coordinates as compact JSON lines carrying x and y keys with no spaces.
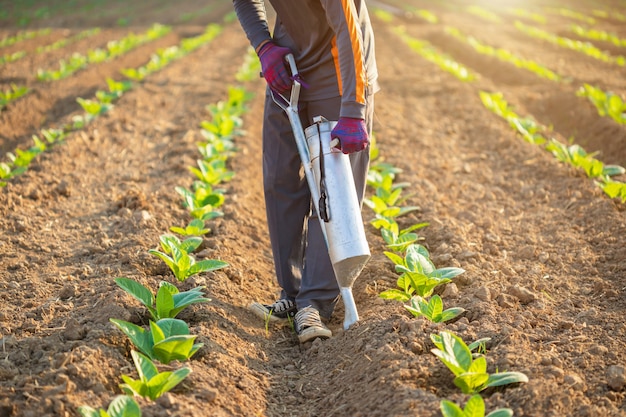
{"x":151,"y":383}
{"x":180,"y":262}
{"x":196,"y":227}
{"x":432,"y":309}
{"x":607,"y":103}
{"x":397,"y":240}
{"x":475,"y":407}
{"x":419,"y":276}
{"x":166,"y":341}
{"x":12,"y":94}
{"x":167,"y":303}
{"x":121,"y":406}
{"x":202,"y":201}
{"x":470,"y":373}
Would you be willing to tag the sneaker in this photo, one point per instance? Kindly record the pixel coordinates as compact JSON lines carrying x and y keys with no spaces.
{"x":309,"y":325}
{"x":280,"y":311}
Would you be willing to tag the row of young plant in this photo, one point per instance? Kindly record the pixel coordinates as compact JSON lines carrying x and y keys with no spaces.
{"x":572,"y":154}
{"x":113,"y":50}
{"x":168,"y":338}
{"x":61,"y":43}
{"x":607,"y":103}
{"x":416,"y":284}
{"x":22,"y":36}
{"x":19,"y":160}
{"x":584,"y":47}
{"x":78,"y":61}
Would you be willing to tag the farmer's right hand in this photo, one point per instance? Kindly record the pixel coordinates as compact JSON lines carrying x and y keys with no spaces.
{"x":274,"y":67}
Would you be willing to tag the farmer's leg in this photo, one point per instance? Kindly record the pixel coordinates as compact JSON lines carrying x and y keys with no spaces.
{"x":319,"y":287}
{"x":287,"y":198}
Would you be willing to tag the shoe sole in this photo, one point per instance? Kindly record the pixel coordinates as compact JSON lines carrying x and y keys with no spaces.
{"x":260,"y":311}
{"x":311,"y":333}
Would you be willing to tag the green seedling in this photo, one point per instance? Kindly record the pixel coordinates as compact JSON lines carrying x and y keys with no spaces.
{"x":151,"y":383}
{"x":119,"y":86}
{"x":136,"y":74}
{"x":433,"y":309}
{"x":418,"y":274}
{"x":12,"y":57}
{"x":203,"y":201}
{"x":11,"y":95}
{"x":223,"y":125}
{"x":212,"y":172}
{"x":166,"y":341}
{"x":614,"y":189}
{"x":181,"y":263}
{"x":576,"y":156}
{"x":187,"y":245}
{"x":121,"y":406}
{"x":471,"y":374}
{"x":477,"y":347}
{"x":196,"y":227}
{"x":475,"y":407}
{"x":607,"y":103}
{"x":167,"y":303}
{"x":380,"y":207}
{"x":397,"y":240}
{"x":94,"y":108}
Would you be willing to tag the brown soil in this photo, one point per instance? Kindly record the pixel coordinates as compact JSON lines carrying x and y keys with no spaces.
{"x":543,"y":248}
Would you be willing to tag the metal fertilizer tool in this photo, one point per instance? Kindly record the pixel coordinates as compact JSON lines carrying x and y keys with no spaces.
{"x":331,"y":183}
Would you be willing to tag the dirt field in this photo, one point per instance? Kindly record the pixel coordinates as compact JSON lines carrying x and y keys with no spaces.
{"x":544,"y":249}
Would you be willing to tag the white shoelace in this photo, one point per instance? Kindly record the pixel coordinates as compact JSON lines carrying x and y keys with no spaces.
{"x":281,"y":306}
{"x":308,"y":317}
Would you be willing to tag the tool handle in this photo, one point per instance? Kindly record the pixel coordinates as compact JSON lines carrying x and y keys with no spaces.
{"x":295,"y":89}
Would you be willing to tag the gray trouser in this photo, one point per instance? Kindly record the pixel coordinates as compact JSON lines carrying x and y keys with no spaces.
{"x":301,"y":259}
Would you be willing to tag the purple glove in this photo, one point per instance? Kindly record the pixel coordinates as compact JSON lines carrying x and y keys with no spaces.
{"x":352,"y":134}
{"x":274,"y":68}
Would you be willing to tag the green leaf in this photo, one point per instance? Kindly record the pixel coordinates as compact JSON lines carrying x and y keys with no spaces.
{"x":454,"y":353}
{"x":135,"y":289}
{"x":86,"y":411}
{"x":134,"y":386}
{"x":175,"y":348}
{"x":502,"y":412}
{"x":164,"y":302}
{"x":187,"y":298}
{"x":124,"y":406}
{"x":207,"y":265}
{"x":191,"y":244}
{"x":137,"y":335}
{"x":449,"y":272}
{"x":504,"y":378}
{"x":471,"y":382}
{"x":173,"y":327}
{"x":451,"y":313}
{"x":157,"y":335}
{"x":395,"y":294}
{"x":475,"y":406}
{"x":450,"y":409}
{"x":144,"y":365}
{"x":174,"y":379}
{"x":168,"y":260}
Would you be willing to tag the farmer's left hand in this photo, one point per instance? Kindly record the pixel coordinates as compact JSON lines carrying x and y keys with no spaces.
{"x":352,"y":134}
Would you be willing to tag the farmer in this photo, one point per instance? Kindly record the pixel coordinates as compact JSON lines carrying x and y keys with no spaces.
{"x":333,"y":46}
